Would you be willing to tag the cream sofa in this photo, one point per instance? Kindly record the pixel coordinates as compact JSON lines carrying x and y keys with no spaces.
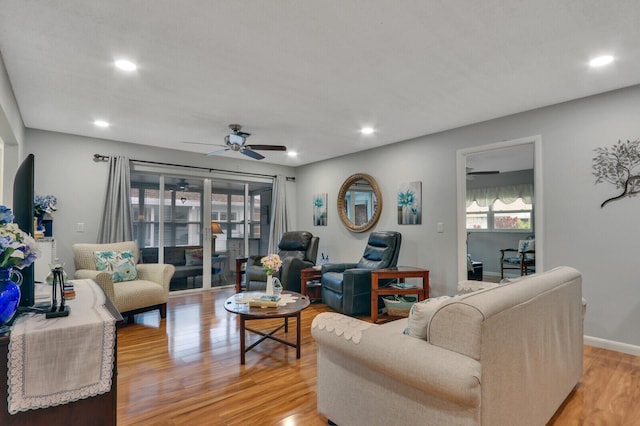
{"x":149,"y":291}
{"x":507,"y":355}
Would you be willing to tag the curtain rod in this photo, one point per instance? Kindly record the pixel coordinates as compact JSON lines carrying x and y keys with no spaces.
{"x":101,"y":157}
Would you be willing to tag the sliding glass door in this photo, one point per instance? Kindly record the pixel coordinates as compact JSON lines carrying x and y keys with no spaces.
{"x":236,"y":225}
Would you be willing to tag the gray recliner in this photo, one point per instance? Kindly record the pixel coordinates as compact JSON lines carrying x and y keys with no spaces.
{"x":346,"y":287}
{"x":298,"y":250}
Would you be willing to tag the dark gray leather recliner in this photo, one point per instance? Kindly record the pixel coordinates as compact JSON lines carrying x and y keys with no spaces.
{"x":298,"y":250}
{"x":346,"y":287}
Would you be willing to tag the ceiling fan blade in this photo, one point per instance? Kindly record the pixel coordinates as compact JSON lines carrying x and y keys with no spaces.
{"x":267,"y":147}
{"x":243,"y":134}
{"x":219,"y":151}
{"x":202,"y":143}
{"x":252,"y":154}
{"x":484,"y":172}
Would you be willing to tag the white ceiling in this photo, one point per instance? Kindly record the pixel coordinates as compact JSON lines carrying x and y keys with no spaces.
{"x":306,"y":74}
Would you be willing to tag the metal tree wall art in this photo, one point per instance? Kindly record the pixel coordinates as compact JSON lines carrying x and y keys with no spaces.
{"x":619,"y":166}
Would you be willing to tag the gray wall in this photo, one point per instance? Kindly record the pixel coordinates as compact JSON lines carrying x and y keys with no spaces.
{"x":65,"y":168}
{"x":602,"y":243}
{"x":11,"y":136}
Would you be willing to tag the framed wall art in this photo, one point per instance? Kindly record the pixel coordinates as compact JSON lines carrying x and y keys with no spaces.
{"x":320,"y":209}
{"x":410,"y":203}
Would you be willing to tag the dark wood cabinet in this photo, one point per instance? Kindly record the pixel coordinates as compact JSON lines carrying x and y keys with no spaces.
{"x":97,"y":410}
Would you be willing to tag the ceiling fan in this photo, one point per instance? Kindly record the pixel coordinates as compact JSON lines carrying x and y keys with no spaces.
{"x":471,"y":173}
{"x":183,"y":185}
{"x":236,"y":141}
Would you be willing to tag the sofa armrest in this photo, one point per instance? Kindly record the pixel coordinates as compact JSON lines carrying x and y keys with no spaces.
{"x":104,"y":280}
{"x":290,"y":272}
{"x":156,"y":272}
{"x":357,"y":281}
{"x":471,"y":286}
{"x":386,"y":350}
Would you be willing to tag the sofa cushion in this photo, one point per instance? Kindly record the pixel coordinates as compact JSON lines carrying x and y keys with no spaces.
{"x":294,"y":241}
{"x":421,"y":313}
{"x":175,"y":255}
{"x":291,"y":253}
{"x":138,"y":294}
{"x":120,"y":264}
{"x":193,"y":257}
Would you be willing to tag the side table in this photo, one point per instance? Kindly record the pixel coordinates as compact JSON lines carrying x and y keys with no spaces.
{"x":310,"y":284}
{"x":241,"y":270}
{"x":399,"y":273}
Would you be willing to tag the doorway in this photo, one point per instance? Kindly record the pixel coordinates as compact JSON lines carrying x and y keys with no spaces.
{"x":497,"y":163}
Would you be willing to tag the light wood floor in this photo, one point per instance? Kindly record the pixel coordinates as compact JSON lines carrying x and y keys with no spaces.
{"x":186,"y":370}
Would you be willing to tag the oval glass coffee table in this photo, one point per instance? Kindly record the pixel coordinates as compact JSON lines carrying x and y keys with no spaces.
{"x":291,"y":305}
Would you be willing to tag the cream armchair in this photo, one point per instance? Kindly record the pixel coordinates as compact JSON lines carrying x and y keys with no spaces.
{"x":149,"y":291}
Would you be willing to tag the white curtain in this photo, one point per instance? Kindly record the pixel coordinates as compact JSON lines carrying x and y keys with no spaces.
{"x":116,"y":224}
{"x":507,"y":194}
{"x":279,"y":218}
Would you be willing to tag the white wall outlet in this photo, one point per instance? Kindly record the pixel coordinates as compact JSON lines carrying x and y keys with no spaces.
{"x":440,"y":227}
{"x":80,"y":227}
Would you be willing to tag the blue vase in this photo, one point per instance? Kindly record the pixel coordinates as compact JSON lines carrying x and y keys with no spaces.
{"x":40,"y":225}
{"x":9,"y":296}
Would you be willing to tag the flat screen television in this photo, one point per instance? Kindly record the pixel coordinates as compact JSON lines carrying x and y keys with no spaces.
{"x":23,"y":195}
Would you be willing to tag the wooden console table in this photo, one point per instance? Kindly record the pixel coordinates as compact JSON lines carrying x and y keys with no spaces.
{"x":96,"y":410}
{"x":399,"y":273}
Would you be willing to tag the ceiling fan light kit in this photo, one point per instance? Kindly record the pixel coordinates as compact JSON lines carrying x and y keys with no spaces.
{"x":237,"y":141}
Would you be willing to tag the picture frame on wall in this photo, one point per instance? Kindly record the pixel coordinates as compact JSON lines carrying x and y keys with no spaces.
{"x":320,"y":209}
{"x":410,"y":203}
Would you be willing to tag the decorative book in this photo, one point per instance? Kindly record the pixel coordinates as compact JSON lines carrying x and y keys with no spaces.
{"x":264,"y":301}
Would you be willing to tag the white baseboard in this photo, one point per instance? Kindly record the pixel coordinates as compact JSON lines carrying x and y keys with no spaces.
{"x":612,"y":345}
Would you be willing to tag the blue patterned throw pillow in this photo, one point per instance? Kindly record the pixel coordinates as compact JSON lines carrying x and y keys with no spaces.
{"x":118,"y":263}
{"x":421,"y":314}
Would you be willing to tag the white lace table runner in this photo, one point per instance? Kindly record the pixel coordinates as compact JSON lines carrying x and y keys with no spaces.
{"x":341,"y":325}
{"x":246,"y":297}
{"x":60,"y":360}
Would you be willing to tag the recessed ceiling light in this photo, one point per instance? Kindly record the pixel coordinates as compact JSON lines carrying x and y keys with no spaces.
{"x":367,"y":130}
{"x":292,"y":153}
{"x":601,"y":61}
{"x":126,"y":65}
{"x":101,"y":123}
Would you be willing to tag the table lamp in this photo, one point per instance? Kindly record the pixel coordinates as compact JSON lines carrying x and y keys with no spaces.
{"x":215,"y":229}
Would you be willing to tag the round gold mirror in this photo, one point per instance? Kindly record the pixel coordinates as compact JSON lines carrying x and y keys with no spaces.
{"x":359,"y":202}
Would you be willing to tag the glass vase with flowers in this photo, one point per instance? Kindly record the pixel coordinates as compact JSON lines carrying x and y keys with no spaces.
{"x":270,"y":265}
{"x":17,"y":250}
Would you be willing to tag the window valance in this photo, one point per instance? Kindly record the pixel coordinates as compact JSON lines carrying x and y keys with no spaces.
{"x":507,"y":194}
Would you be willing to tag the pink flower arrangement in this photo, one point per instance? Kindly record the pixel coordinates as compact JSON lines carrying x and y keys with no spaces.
{"x":271,"y":264}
